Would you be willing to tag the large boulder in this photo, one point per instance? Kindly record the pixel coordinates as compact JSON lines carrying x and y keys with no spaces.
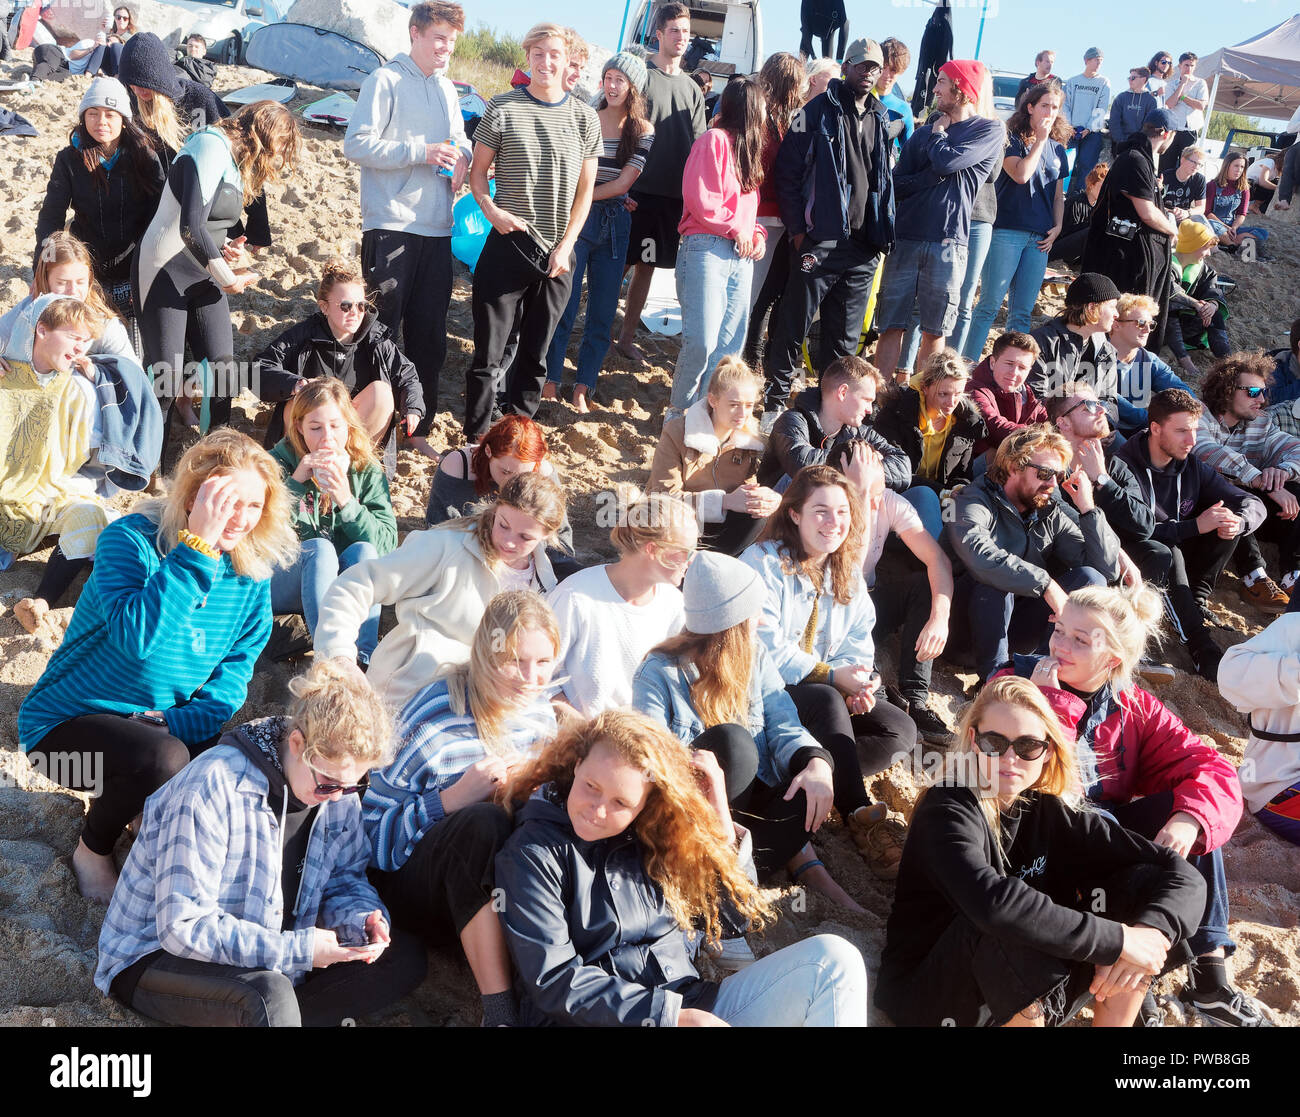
{"x":380,"y":24}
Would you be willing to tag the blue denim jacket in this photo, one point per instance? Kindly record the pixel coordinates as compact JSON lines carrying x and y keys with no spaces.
{"x":661,"y":688}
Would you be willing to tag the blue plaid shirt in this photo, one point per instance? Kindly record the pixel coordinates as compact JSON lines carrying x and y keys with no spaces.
{"x":203,"y":879}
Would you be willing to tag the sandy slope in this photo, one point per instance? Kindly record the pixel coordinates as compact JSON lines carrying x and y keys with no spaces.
{"x":48,"y":933}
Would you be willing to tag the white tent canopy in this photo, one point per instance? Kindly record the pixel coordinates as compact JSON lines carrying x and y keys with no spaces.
{"x":1260,"y":77}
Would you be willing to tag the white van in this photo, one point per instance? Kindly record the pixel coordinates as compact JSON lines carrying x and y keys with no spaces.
{"x":727,"y":35}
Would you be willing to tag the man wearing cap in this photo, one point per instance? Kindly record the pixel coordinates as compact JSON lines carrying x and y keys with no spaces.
{"x":1186,"y":102}
{"x":937,"y":177}
{"x":408,"y":137}
{"x":836,"y":195}
{"x":1073,"y":345}
{"x":1085,"y":105}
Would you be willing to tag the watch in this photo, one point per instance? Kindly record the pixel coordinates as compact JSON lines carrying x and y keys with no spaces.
{"x":1103,"y":478}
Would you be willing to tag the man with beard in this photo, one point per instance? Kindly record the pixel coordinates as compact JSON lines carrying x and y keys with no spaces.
{"x":1016,"y":555}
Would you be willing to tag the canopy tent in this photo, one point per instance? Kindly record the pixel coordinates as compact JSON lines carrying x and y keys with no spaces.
{"x":1260,"y":77}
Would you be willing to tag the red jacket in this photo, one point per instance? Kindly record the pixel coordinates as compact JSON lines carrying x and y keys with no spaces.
{"x":1143,"y":749}
{"x":1004,"y":412}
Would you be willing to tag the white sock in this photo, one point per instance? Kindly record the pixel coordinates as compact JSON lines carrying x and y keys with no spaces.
{"x":1290,"y":580}
{"x":1254,"y":576}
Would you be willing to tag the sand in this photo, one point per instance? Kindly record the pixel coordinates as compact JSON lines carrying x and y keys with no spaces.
{"x":48,"y":932}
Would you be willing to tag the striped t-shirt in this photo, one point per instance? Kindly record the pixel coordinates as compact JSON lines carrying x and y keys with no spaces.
{"x":540,"y":149}
{"x":608,"y":168}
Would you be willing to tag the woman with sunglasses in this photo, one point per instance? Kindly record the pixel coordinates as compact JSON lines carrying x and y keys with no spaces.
{"x":248,"y":878}
{"x":1139,"y":762}
{"x":995,"y":920}
{"x":432,"y":815}
{"x":343,"y":339}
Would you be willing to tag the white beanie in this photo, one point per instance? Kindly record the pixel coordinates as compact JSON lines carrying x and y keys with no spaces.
{"x":719,"y":592}
{"x":106,"y":93}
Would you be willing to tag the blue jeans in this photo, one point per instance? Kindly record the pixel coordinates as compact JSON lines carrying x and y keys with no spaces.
{"x":820,"y":982}
{"x":926,"y":502}
{"x":713,"y":289}
{"x":301,"y":588}
{"x":977,"y":249}
{"x":1014,"y":262}
{"x":600,"y":252}
{"x":1089,"y":151}
{"x":1256,"y":231}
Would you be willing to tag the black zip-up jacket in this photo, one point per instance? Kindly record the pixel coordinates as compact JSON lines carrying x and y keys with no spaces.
{"x":109,"y":220}
{"x":1183,"y":490}
{"x":1121,"y":499}
{"x":309,"y":350}
{"x":797,"y":440}
{"x":897,"y":422}
{"x":1026,"y":897}
{"x":1065,"y":355}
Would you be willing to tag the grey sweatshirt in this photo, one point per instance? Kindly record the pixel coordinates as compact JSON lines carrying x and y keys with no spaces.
{"x":399,"y":114}
{"x":1083,"y":98}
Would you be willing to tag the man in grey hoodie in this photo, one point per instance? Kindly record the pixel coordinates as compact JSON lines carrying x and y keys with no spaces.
{"x":1086,"y":105}
{"x":408,"y":137}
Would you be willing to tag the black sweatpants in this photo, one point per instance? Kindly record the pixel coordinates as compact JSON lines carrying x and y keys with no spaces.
{"x":1188,"y":572}
{"x":191,"y":993}
{"x":121,"y":761}
{"x":409,"y":279}
{"x":507,"y":288}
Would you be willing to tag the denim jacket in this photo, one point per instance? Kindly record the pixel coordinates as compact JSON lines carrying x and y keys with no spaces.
{"x":131,"y":437}
{"x":661,"y":689}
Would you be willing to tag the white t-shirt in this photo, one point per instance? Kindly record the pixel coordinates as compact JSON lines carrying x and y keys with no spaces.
{"x":604,"y":638}
{"x":512,"y":579}
{"x":895,"y":515}
{"x":1186,"y":118}
{"x":1252,"y":172}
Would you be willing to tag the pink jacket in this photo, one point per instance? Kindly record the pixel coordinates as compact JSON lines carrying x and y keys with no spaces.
{"x":712,"y":201}
{"x":1143,"y":749}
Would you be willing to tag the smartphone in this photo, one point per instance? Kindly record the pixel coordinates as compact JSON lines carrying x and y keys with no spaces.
{"x":151,"y":719}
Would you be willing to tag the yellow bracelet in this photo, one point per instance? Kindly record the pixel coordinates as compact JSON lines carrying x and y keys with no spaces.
{"x":201,"y":545}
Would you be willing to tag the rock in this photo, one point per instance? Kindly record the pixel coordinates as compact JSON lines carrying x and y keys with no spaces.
{"x":380,"y":24}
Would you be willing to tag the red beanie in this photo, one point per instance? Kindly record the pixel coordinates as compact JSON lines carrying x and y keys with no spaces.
{"x":967,"y":75}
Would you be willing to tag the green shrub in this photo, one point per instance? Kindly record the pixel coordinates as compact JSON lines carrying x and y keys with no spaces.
{"x":484,"y":44}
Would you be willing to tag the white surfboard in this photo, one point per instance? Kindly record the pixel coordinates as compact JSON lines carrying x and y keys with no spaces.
{"x":282,"y":91}
{"x":335,"y":109}
{"x":662,"y":313}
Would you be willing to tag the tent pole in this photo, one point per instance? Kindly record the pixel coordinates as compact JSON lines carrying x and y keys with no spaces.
{"x":623,"y":25}
{"x":979,"y":38}
{"x":1209,"y":108}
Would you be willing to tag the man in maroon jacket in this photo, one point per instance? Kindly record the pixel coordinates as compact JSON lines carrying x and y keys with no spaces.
{"x":999,"y":389}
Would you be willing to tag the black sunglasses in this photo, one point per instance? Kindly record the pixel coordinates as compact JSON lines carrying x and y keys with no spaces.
{"x":994,"y":744}
{"x":347,"y":307}
{"x":1091,"y":406}
{"x":332,"y":786}
{"x":1253,"y":393}
{"x":1140,"y":323}
{"x":1047,"y":473}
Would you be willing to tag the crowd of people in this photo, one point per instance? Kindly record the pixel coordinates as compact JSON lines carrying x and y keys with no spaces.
{"x":591,"y":777}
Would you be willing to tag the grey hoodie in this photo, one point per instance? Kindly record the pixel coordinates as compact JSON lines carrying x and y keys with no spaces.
{"x":399,"y":113}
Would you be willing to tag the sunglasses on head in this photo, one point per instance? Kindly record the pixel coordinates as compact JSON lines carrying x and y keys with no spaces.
{"x":1253,"y":393}
{"x":1047,"y":473}
{"x":329,"y":787}
{"x":994,"y":744}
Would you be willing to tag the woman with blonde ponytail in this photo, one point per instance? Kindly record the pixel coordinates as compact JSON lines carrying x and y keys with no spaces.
{"x":1143,"y":765}
{"x":248,"y":877}
{"x":433,"y":815}
{"x":625,"y":846}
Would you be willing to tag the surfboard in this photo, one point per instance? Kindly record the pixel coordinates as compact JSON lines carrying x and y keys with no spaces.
{"x":662,"y":313}
{"x":282,"y":90}
{"x":312,"y":55}
{"x":335,"y":109}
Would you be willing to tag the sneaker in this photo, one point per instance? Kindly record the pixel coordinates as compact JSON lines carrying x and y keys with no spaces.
{"x":1229,"y":1008}
{"x":1206,"y":660}
{"x":1156,"y":672}
{"x":1207,"y":617}
{"x":931,"y":727}
{"x":879,"y":839}
{"x":1265,"y":594}
{"x":731,"y":955}
{"x":1149,"y":1014}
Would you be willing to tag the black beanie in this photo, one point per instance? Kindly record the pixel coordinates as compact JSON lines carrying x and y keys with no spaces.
{"x":1090,"y":287}
{"x":147,"y":63}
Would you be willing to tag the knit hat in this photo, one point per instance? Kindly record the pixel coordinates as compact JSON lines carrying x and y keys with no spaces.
{"x":1091,"y":53}
{"x":864,"y":50}
{"x":147,"y":63}
{"x":1090,"y":287}
{"x":966,"y":74}
{"x":1194,"y":235}
{"x":630,"y":66}
{"x":106,"y":93}
{"x":1163,"y":117}
{"x":719,"y":592}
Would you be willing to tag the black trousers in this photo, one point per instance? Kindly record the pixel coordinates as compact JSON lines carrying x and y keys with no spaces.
{"x":60,"y":572}
{"x":449,"y":876}
{"x":121,"y":760}
{"x":767,"y":305}
{"x":732,"y":535}
{"x":1274,"y":529}
{"x":1169,"y":160}
{"x":507,"y":290}
{"x":1188,"y":571}
{"x":409,"y":278}
{"x":902,"y":600}
{"x":833,"y":277}
{"x":191,"y":993}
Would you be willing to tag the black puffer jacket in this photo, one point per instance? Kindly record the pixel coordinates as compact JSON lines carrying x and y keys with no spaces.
{"x":592,"y":938}
{"x":309,"y":350}
{"x":897,"y":422}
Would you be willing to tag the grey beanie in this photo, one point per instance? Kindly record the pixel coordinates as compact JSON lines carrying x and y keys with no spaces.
{"x":630,"y":66}
{"x":719,"y":592}
{"x":1091,"y":53}
{"x":106,"y":93}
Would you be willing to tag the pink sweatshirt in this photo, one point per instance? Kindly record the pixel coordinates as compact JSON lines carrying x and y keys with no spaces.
{"x":712,"y":202}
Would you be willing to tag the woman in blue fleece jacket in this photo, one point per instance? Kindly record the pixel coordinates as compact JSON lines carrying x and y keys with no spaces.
{"x":163,"y":640}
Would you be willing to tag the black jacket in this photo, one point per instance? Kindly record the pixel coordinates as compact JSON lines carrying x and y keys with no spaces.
{"x":309,"y":350}
{"x":1065,"y":355}
{"x":897,"y":422}
{"x":797,"y":440}
{"x":1126,"y":507}
{"x":592,"y":938}
{"x":1183,"y":490}
{"x":1026,"y":898}
{"x":109,"y":218}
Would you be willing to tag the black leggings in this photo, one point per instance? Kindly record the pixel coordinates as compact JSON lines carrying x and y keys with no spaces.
{"x":121,"y":761}
{"x":732,"y":535}
{"x":192,"y":993}
{"x":60,"y":572}
{"x":861,"y":744}
{"x":768,"y":304}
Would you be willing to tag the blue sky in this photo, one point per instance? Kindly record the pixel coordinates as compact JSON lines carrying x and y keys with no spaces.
{"x":1015,"y":30}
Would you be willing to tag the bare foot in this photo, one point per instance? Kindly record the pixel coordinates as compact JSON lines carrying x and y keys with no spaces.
{"x":632,"y":351}
{"x":820,"y":880}
{"x":550,"y":391}
{"x":31,"y":613}
{"x":96,"y":874}
{"x":185,"y":410}
{"x":580,"y":400}
{"x":420,"y":443}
